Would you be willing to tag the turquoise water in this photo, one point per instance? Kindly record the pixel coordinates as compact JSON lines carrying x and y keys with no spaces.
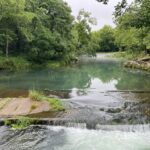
{"x":91,"y":74}
{"x":88,"y":87}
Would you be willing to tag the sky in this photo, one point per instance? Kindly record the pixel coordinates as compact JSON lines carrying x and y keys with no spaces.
{"x":103,"y":13}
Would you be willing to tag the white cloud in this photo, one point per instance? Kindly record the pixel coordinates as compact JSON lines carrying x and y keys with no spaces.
{"x":103,"y":13}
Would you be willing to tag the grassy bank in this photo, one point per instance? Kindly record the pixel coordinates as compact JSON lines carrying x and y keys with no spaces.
{"x":20,"y":63}
{"x":134,"y":60}
{"x":129,"y":55}
{"x":14,"y":63}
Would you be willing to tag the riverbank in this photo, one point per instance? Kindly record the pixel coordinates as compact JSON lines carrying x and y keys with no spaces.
{"x":134,"y":60}
{"x":128,"y":55}
{"x":14,"y":63}
{"x":143,"y":64}
{"x":21,"y":63}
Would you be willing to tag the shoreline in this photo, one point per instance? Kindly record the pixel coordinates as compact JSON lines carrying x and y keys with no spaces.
{"x":142,"y":64}
{"x":133,"y":61}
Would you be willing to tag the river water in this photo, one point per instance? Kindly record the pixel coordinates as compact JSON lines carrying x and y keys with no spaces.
{"x":61,"y":138}
{"x":108,"y":107}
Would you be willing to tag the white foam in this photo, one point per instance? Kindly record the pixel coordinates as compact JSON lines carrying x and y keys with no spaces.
{"x":83,"y":139}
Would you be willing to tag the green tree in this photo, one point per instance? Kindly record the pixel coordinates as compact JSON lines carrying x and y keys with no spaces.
{"x":83,"y":28}
{"x":105,"y":39}
{"x":41,"y":30}
{"x":133,"y":26}
{"x":13,"y":24}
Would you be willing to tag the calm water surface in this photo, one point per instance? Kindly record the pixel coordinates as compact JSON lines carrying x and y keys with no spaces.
{"x":90,"y":75}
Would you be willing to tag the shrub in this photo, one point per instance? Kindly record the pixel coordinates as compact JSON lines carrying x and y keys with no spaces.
{"x":13,"y":63}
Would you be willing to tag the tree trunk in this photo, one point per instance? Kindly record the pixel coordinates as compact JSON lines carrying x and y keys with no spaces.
{"x":7,"y":45}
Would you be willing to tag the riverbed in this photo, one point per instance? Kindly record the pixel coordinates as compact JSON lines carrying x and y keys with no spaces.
{"x":107,"y":107}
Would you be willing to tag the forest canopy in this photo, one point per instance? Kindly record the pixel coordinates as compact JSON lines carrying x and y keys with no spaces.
{"x":132,"y":31}
{"x":43,"y":30}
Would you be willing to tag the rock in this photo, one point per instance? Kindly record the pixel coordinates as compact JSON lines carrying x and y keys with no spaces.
{"x":23,"y":106}
{"x":52,"y":96}
{"x":114,"y":110}
{"x":143,"y":64}
{"x":58,"y":94}
{"x":144,"y":59}
{"x":101,"y":109}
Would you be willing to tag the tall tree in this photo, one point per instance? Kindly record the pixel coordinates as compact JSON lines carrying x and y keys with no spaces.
{"x":135,"y":25}
{"x":83,"y":28}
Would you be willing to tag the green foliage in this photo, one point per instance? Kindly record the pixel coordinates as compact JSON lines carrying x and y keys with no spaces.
{"x":45,"y":31}
{"x":128,"y":39}
{"x":146,"y":41}
{"x":36,"y":96}
{"x":7,"y":122}
{"x":13,"y":63}
{"x":56,"y":104}
{"x":128,"y":55}
{"x":105,"y":39}
{"x":82,"y":32}
{"x":42,"y":30}
{"x":54,"y":64}
{"x":21,"y":123}
{"x":133,"y":27}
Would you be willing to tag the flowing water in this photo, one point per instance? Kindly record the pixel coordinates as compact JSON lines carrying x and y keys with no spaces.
{"x":60,"y":138}
{"x":98,"y":93}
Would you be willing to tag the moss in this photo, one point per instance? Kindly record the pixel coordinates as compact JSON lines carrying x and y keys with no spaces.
{"x":20,"y":123}
{"x":56,"y":104}
{"x":33,"y":107}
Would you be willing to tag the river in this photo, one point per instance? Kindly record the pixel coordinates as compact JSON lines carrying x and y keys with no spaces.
{"x":108,"y":107}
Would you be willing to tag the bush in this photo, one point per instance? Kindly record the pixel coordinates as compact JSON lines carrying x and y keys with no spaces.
{"x":13,"y":63}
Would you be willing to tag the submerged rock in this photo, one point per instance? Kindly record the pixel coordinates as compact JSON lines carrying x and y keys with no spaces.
{"x":114,"y":110}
